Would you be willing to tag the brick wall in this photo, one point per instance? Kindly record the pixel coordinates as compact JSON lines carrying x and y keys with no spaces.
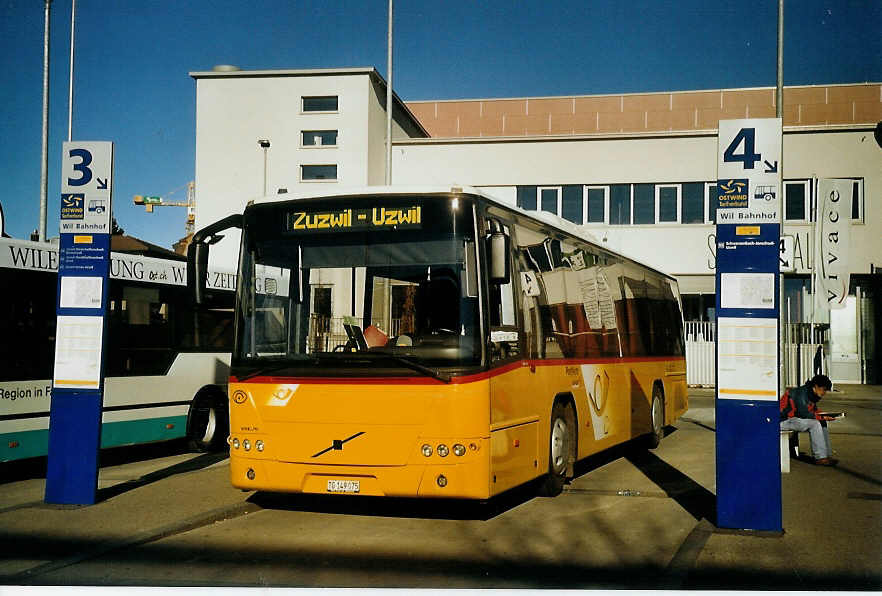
{"x":647,"y":112}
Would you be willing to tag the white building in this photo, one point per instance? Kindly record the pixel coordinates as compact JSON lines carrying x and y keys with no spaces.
{"x":638,"y":170}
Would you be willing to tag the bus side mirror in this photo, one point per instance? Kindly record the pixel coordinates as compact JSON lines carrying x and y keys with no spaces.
{"x":197,"y":270}
{"x":499,"y":263}
{"x":197,"y":254}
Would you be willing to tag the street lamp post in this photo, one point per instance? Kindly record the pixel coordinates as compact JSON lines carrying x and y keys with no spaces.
{"x":265,"y":144}
{"x":44,"y":162}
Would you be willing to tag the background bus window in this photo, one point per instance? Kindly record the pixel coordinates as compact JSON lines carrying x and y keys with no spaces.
{"x":140,"y":332}
{"x":206,"y":329}
{"x":27,"y":325}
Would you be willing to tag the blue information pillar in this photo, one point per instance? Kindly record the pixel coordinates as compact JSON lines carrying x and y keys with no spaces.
{"x":747,"y":310}
{"x":78,"y":376}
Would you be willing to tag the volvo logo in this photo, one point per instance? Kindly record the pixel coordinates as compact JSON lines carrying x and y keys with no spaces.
{"x":337,"y":444}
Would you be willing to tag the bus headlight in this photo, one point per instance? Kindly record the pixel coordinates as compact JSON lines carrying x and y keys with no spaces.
{"x":458,"y":450}
{"x":235,"y":443}
{"x":443,"y":451}
{"x":259,"y":445}
{"x":427,"y":450}
{"x":246,"y":444}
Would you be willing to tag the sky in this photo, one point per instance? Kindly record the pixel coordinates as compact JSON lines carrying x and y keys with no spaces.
{"x":132,"y":59}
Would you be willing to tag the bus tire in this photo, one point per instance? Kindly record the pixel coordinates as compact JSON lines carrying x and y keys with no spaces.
{"x":561,"y":443}
{"x":208,"y":422}
{"x":657,"y":417}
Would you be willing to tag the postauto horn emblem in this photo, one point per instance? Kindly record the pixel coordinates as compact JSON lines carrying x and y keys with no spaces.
{"x":239,"y":397}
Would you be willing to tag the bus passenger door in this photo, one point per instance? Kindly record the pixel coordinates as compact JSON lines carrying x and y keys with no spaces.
{"x":514,"y":424}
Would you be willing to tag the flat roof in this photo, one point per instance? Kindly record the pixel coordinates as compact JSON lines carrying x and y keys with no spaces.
{"x":369,"y":71}
{"x":283,"y":72}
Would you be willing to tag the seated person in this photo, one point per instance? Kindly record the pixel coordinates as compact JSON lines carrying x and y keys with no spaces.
{"x":799,"y":412}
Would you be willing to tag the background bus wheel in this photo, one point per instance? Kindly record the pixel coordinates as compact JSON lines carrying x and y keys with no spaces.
{"x":561,"y":444}
{"x":657,"y":415}
{"x":207,"y":423}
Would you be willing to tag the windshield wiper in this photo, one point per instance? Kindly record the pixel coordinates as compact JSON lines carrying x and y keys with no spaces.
{"x":435,"y":374}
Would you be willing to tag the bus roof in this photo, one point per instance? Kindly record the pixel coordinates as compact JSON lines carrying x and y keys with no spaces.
{"x":550,"y":219}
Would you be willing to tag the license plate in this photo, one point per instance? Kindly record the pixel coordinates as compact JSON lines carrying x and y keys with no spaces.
{"x":343,"y":486}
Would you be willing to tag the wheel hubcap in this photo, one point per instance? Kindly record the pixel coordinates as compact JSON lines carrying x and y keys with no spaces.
{"x":656,"y":416}
{"x":210,"y":426}
{"x":558,"y":443}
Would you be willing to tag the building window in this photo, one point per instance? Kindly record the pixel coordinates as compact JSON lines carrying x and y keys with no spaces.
{"x":857,"y":200}
{"x":644,"y":204}
{"x":620,"y":204}
{"x":318,"y":172}
{"x":692,"y":203}
{"x":710,"y":190}
{"x":571,"y":204}
{"x":322,"y":103}
{"x":549,"y":199}
{"x":667,"y":203}
{"x":319,"y":138}
{"x":321,"y":301}
{"x":527,"y":198}
{"x":595,"y":198}
{"x":796,"y":200}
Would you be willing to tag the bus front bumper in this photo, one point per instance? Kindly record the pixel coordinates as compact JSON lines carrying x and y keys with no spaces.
{"x":464,"y":480}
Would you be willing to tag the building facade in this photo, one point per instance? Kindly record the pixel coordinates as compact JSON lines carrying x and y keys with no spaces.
{"x":638,"y":171}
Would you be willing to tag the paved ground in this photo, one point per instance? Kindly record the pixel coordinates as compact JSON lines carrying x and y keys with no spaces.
{"x":630,"y":520}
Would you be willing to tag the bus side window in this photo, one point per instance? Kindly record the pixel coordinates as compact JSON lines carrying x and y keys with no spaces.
{"x":531,"y":261}
{"x":635,"y":313}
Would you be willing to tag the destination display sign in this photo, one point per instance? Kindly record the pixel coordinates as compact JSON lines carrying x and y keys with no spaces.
{"x":346,"y":220}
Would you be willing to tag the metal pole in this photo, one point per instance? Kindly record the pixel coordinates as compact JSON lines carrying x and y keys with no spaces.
{"x":44,"y":165}
{"x":264,"y":171}
{"x":779,"y":91}
{"x":389,"y":101}
{"x":73,"y":16}
{"x":779,"y":111}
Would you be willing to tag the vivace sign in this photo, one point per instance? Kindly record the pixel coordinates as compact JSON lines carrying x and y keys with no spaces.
{"x":833,"y":242}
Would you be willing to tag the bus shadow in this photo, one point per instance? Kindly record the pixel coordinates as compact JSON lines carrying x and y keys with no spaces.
{"x":598,"y":460}
{"x":191,"y":465}
{"x":35,"y":467}
{"x":401,"y":507}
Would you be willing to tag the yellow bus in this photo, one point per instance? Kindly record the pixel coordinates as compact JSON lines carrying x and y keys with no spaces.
{"x":437,"y":343}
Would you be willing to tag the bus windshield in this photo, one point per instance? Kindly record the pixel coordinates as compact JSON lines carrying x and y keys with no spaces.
{"x":382,"y":287}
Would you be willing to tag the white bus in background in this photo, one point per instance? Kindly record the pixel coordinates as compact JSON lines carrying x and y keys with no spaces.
{"x":166,"y":365}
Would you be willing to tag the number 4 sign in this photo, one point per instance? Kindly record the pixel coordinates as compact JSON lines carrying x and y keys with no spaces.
{"x":749,"y":180}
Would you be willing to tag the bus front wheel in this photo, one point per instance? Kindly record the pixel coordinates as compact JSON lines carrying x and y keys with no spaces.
{"x":207,"y":422}
{"x":561,"y":441}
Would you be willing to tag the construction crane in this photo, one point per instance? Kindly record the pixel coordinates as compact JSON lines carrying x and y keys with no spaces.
{"x":150,"y":202}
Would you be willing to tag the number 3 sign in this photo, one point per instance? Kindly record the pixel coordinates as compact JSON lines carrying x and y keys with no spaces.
{"x":86,"y":184}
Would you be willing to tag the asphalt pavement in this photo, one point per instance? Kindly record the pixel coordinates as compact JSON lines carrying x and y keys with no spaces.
{"x":631,"y":519}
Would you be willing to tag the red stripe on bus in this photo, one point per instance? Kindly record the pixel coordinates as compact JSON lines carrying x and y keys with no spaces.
{"x":424,"y":380}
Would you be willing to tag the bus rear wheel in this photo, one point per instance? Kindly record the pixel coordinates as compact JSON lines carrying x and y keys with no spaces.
{"x":657,"y":416}
{"x":207,"y":423}
{"x":561,"y":442}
